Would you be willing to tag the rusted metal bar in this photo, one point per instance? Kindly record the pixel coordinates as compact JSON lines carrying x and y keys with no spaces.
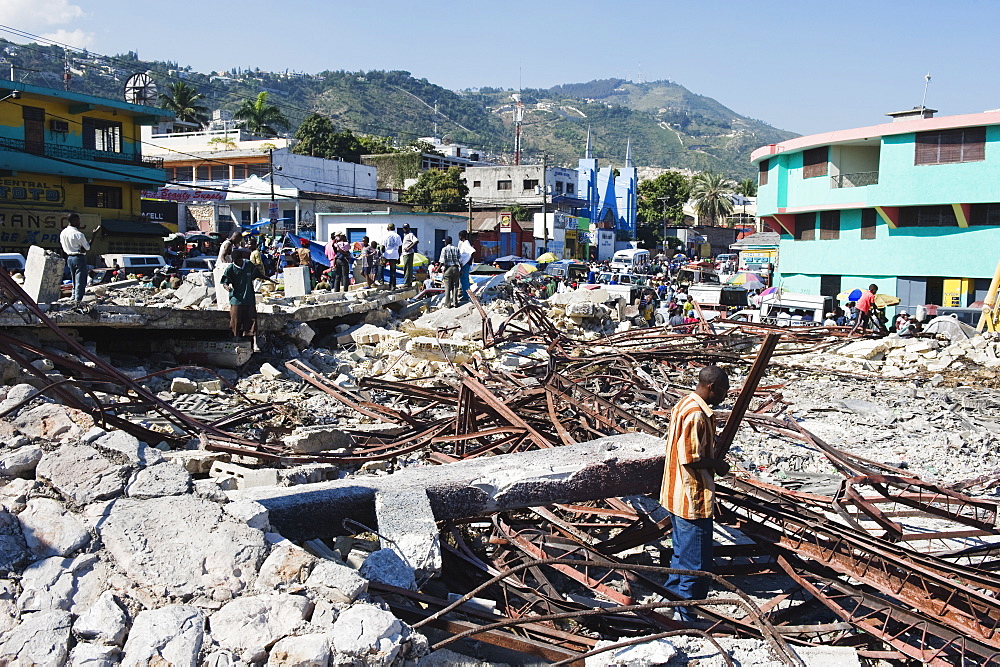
{"x":728,"y":435}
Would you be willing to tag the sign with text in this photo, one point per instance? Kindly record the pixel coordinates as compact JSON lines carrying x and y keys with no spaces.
{"x":506,"y":222}
{"x":22,"y":191}
{"x":21,"y":228}
{"x":184,"y":195}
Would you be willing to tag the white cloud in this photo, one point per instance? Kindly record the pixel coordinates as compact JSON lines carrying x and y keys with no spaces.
{"x":31,"y":15}
{"x":77,"y":38}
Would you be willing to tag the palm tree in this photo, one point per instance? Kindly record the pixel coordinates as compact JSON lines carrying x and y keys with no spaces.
{"x":184,"y":100}
{"x":747,"y":187}
{"x":710,"y":192}
{"x":260,"y":117}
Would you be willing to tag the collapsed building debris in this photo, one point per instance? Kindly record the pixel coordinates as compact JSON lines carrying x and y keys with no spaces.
{"x":475,"y":483}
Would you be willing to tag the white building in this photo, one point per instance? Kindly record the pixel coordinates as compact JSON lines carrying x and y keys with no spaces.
{"x":430,"y":228}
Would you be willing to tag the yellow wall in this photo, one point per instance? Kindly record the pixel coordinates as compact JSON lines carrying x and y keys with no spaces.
{"x":12,"y":121}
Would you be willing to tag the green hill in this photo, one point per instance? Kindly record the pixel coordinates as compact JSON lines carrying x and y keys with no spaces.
{"x":669,"y":126}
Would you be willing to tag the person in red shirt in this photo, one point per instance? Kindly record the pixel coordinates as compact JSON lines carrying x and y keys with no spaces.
{"x":865,"y":306}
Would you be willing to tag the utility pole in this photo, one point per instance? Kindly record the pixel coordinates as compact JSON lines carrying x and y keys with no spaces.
{"x":663,"y":200}
{"x":469,"y":229}
{"x":545,"y":217}
{"x":272,"y":207}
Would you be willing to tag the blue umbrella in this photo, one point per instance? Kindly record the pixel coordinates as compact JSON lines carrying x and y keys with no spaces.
{"x":850,"y":295}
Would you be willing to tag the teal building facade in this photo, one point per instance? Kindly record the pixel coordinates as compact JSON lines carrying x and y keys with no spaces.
{"x":912,"y":205}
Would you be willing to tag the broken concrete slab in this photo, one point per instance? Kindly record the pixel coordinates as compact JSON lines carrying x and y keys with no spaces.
{"x":407,"y":525}
{"x":50,"y":421}
{"x":20,"y":462}
{"x":43,"y":272}
{"x":298,"y":282}
{"x":80,"y":473}
{"x":286,"y":564}
{"x":157,"y":481}
{"x":386,"y":567}
{"x":170,"y":635}
{"x":310,"y":439}
{"x":50,"y":529}
{"x":195,"y":461}
{"x":127,"y":444}
{"x":94,"y":655}
{"x":182,"y":545}
{"x":368,"y":634}
{"x":253,"y":623}
{"x":312,"y":650}
{"x":103,"y":623}
{"x":613,"y":466}
{"x":336,"y":581}
{"x":69,"y":584}
{"x":41,"y":639}
{"x":13,"y":549}
{"x":183,"y":386}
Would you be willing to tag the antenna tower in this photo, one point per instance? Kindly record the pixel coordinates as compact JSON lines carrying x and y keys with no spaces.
{"x":518,"y":118}
{"x":927,"y":82}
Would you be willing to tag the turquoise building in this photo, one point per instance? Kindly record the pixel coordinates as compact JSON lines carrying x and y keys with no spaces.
{"x":912,"y":205}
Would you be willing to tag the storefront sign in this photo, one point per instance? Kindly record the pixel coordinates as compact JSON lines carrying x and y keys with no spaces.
{"x":164,"y":212}
{"x":506,"y":222}
{"x":21,"y":228}
{"x":184,"y":195}
{"x":37,"y":193}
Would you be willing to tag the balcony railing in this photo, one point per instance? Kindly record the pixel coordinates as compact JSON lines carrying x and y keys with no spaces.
{"x":64,"y":152}
{"x":855,"y":180}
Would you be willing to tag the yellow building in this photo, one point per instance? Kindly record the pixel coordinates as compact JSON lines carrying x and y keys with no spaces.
{"x":62,"y":152}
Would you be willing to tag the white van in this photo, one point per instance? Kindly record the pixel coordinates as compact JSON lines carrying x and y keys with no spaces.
{"x":142,"y":265}
{"x":12,"y":261}
{"x":629,"y":260}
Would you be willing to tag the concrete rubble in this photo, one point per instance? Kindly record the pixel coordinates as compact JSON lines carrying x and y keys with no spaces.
{"x":178,"y":550}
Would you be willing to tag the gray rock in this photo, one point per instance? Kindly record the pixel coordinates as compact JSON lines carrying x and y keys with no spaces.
{"x":222,"y":658}
{"x":286,"y":564}
{"x":249,"y":512}
{"x":48,"y":422}
{"x":324,"y":615}
{"x":309,"y":439}
{"x":68,"y":584}
{"x":182,"y":545}
{"x":158,"y":481}
{"x":251,"y":624}
{"x":104,"y":623}
{"x":183,"y":386}
{"x":386,"y":567}
{"x":336,"y":581}
{"x":302,"y":651}
{"x":18,"y":393}
{"x":127,"y":444}
{"x":40,"y":639}
{"x":50,"y":530}
{"x":80,"y":473}
{"x":170,"y":635}
{"x":8,"y":607}
{"x":14,"y":497}
{"x":406,"y":524}
{"x":94,"y":655}
{"x":368,"y":633}
{"x":21,"y":461}
{"x":13,"y":550}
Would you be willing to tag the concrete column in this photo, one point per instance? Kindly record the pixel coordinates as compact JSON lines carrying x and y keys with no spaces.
{"x":221,"y":293}
{"x":43,"y":274}
{"x":297,"y":281}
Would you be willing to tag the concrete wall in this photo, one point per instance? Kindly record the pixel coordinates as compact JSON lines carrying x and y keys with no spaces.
{"x":488,"y":177}
{"x":426,"y":225}
{"x":314,"y":174}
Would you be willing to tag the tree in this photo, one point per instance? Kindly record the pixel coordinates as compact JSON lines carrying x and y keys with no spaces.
{"x":316,"y":137}
{"x":375,"y":145}
{"x":313,"y":136}
{"x":259,"y":117}
{"x":747,"y":187}
{"x":184,"y":101}
{"x":423,"y":147}
{"x":711,"y":194}
{"x":661,"y":198}
{"x":437,"y":190}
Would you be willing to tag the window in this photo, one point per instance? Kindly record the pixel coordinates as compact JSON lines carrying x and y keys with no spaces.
{"x":101,"y":196}
{"x":927,"y":216}
{"x":202,"y":172}
{"x":503,"y":185}
{"x":184,"y":174}
{"x":805,"y":227}
{"x":763,"y":167}
{"x":559,"y":187}
{"x":985,"y":215}
{"x":814,"y":162}
{"x":570,"y":188}
{"x":829,"y":285}
{"x":220,"y":172}
{"x":34,"y":130}
{"x":530,"y":184}
{"x":829,"y":226}
{"x":869,"y":218}
{"x":239,"y":171}
{"x":259,"y":170}
{"x":477,"y":184}
{"x":950,"y":146}
{"x":102,"y":135}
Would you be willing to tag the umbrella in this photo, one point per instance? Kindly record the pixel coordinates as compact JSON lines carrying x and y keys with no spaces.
{"x":744,"y":277}
{"x":485,"y":270}
{"x":750,"y":284}
{"x":522,"y":270}
{"x":547,"y":258}
{"x":420,"y":260}
{"x":196,"y":238}
{"x":769,"y":290}
{"x":883,"y":300}
{"x":849,"y":295}
{"x":510,"y":258}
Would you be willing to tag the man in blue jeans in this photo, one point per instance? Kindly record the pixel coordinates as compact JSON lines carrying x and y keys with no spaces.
{"x":688,"y":491}
{"x":75,"y":245}
{"x":466,"y":251}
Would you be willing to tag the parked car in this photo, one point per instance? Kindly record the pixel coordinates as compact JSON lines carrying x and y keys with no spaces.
{"x":194,"y":264}
{"x":140,"y":265}
{"x":12,"y":261}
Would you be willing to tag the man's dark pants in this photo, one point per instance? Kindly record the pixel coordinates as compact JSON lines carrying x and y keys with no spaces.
{"x":392,"y":263}
{"x":692,"y":542}
{"x":407,"y":270}
{"x":78,"y":270}
{"x":452,"y":276}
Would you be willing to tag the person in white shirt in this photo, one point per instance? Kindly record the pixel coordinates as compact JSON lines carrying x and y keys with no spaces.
{"x":465,"y":251}
{"x":75,"y":245}
{"x":406,"y":252}
{"x":392,"y":245}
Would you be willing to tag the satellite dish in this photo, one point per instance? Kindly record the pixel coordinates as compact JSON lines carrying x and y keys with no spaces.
{"x":140,"y":89}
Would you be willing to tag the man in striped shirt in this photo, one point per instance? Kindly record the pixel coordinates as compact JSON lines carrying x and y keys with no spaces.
{"x":689,"y":486}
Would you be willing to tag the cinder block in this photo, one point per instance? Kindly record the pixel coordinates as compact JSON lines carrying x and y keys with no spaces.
{"x":297,"y":281}
{"x":246,"y":478}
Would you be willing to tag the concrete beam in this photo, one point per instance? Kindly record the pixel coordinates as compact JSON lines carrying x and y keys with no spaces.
{"x":619,"y":465}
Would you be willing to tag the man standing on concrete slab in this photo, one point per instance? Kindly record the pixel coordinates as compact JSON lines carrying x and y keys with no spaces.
{"x":450,"y":260}
{"x":409,"y":247}
{"x":688,"y":491}
{"x":866,"y":308}
{"x":391,"y":255}
{"x":466,"y":250}
{"x":75,"y":245}
{"x":238,"y":278}
{"x":227,"y":247}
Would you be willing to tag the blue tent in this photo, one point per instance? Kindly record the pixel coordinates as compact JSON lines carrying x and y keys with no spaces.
{"x":316,"y":250}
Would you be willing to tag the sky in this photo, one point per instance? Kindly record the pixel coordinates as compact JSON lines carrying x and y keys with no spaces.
{"x":803,"y":66}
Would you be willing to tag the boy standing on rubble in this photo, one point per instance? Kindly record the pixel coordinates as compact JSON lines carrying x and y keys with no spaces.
{"x":688,"y":490}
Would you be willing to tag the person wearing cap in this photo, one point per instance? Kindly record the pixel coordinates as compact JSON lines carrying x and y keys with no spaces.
{"x":392,"y":246}
{"x":830,"y":320}
{"x":901,"y":318}
{"x":406,"y":253}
